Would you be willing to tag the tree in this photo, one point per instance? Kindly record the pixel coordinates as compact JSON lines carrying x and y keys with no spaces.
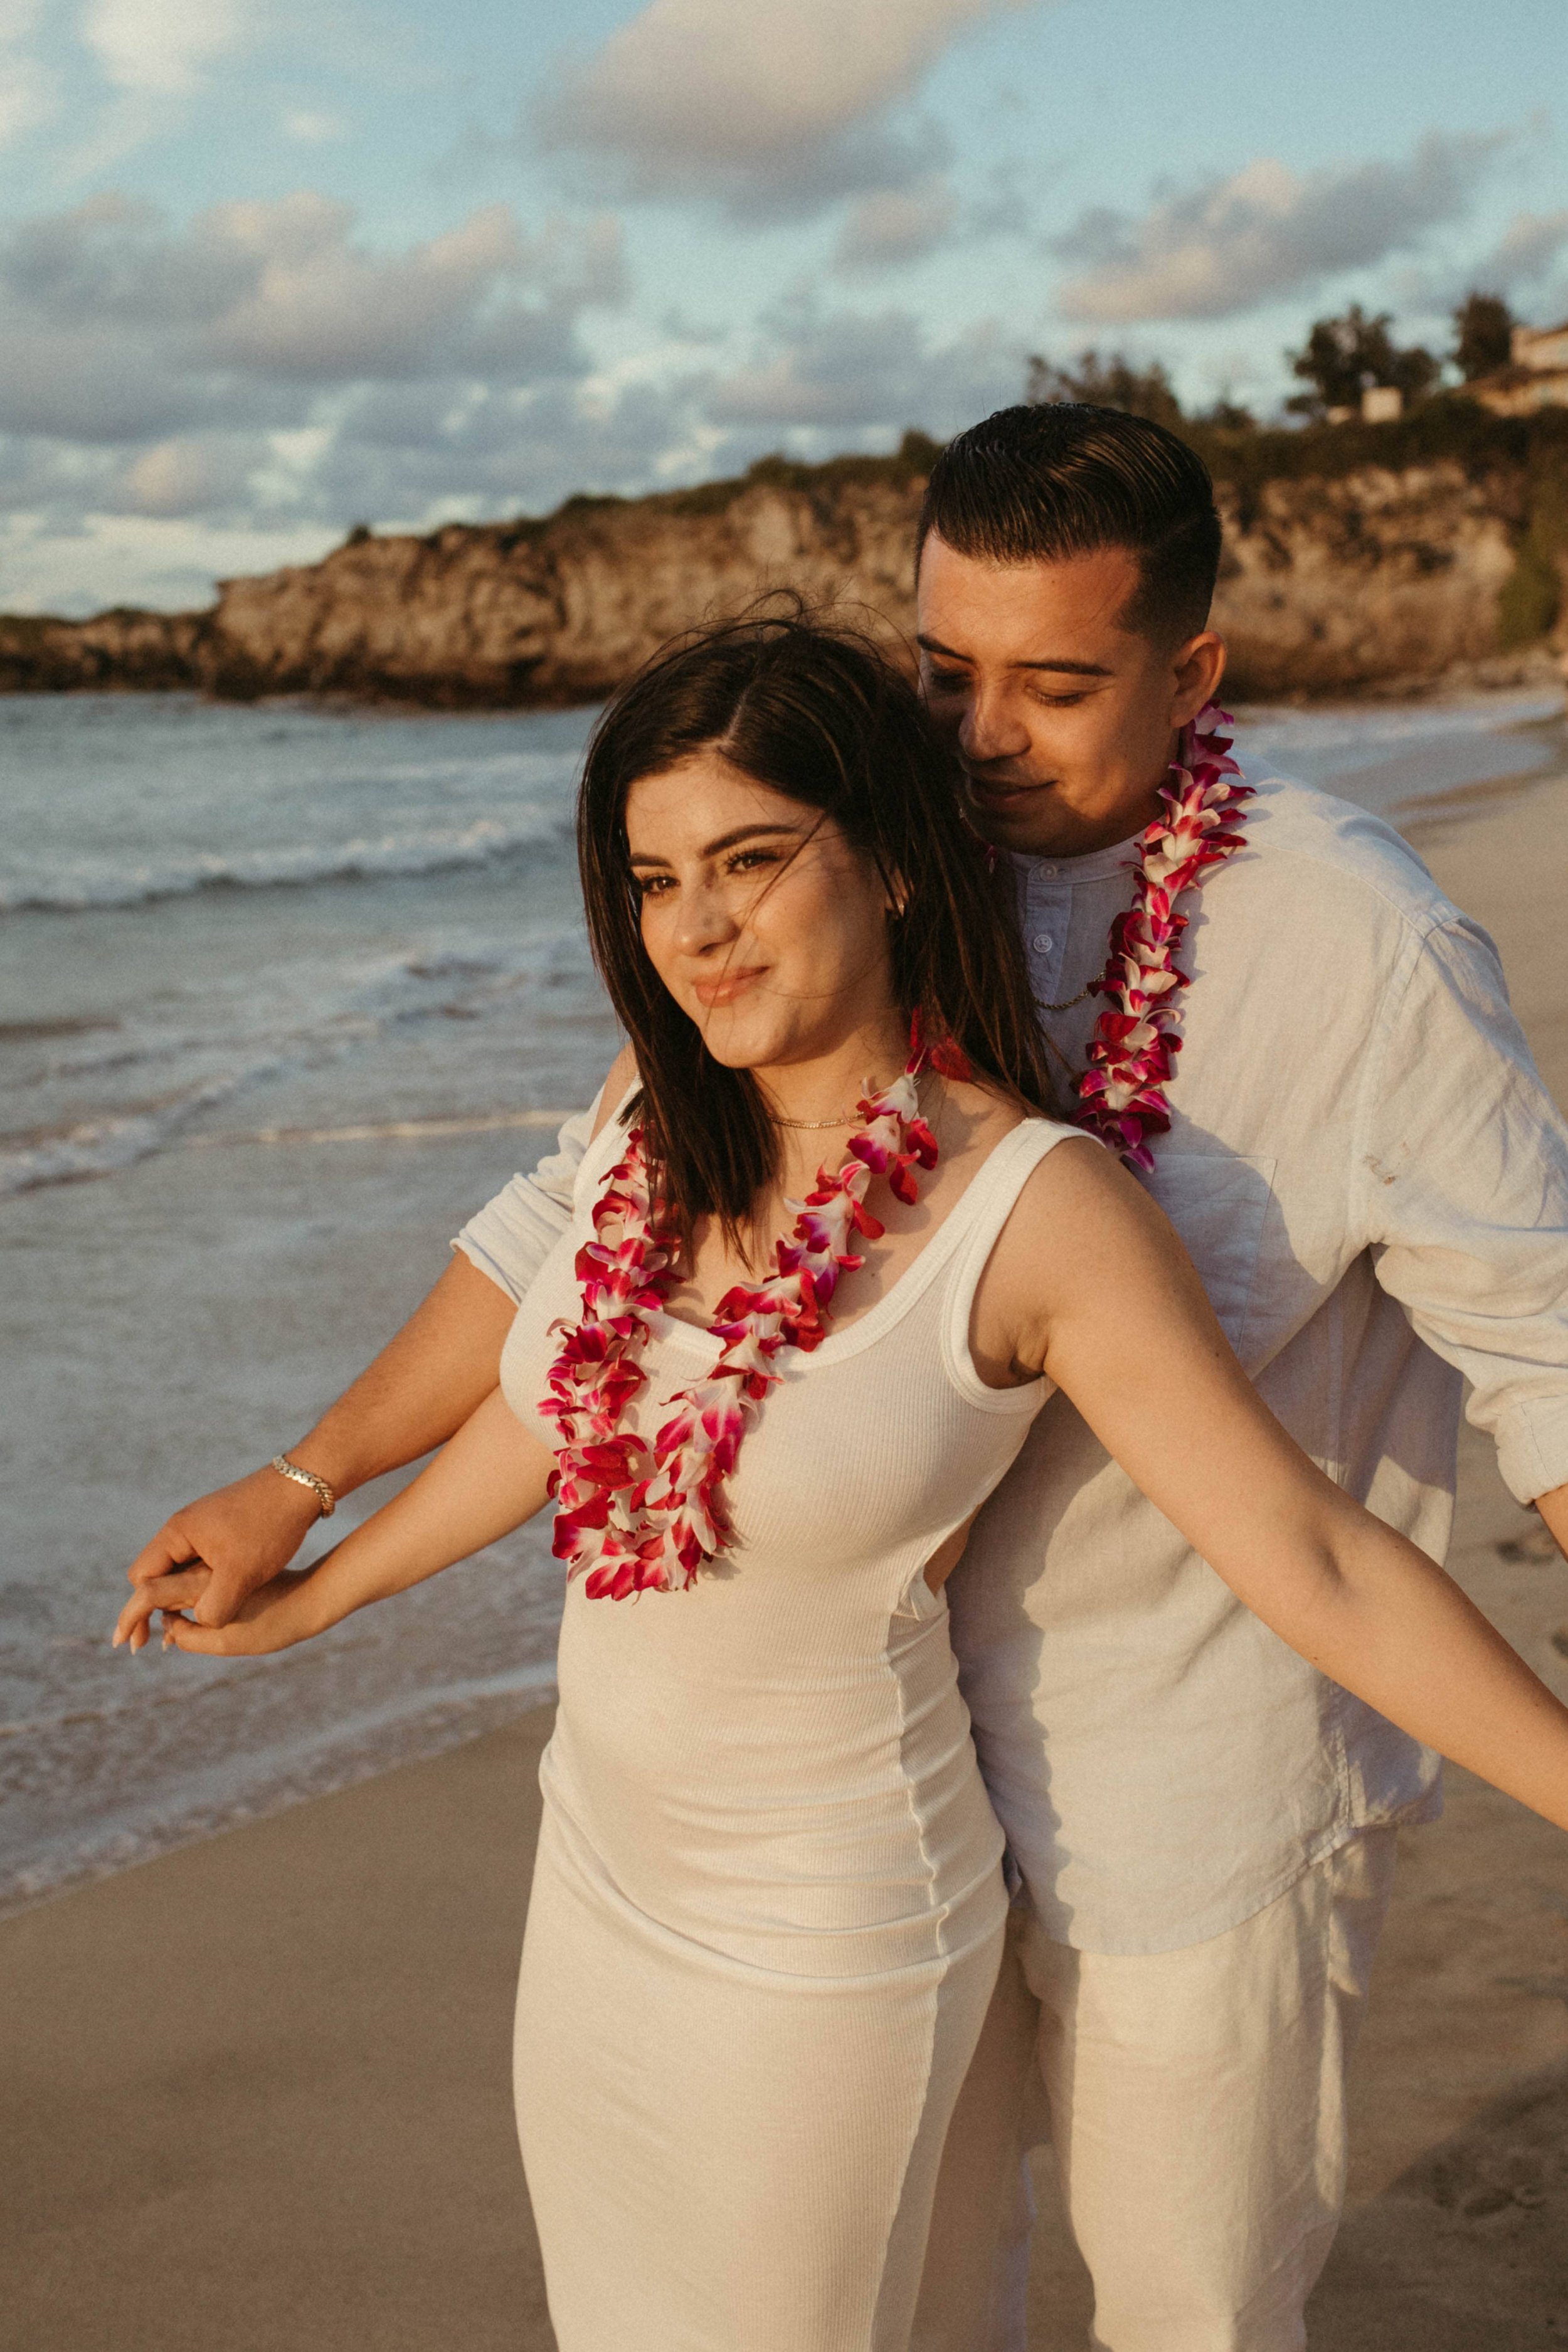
{"x":1343,"y":357}
{"x":1111,"y":383}
{"x":1483,"y":335}
{"x":1225,"y":416}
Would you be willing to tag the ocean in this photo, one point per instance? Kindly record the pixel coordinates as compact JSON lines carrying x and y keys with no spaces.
{"x":285,"y":993}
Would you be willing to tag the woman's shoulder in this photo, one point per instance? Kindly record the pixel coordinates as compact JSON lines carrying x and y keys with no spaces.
{"x":979,"y":1116}
{"x":619,"y":1080}
{"x":1077,"y":1198}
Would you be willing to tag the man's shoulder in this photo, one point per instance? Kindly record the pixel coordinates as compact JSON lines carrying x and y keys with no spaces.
{"x":1308,"y":849}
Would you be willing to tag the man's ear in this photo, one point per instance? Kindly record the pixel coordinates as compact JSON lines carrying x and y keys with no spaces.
{"x":1196,"y":671}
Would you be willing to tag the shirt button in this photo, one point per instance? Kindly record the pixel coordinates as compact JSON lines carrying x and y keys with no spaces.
{"x":1049,"y":871}
{"x":1042,"y":943}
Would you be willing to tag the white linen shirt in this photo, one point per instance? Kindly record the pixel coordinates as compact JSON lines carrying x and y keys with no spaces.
{"x":1372,"y":1183}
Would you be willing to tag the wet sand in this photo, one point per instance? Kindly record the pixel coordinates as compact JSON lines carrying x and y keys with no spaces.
{"x":254,"y":2095}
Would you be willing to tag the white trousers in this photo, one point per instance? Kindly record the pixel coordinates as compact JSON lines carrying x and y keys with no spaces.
{"x":1196,"y":2103}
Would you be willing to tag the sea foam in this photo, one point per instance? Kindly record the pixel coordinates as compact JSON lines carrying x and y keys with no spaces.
{"x":82,"y":884}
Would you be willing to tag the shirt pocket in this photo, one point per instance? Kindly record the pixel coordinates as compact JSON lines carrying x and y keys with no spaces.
{"x":1218,"y":1202}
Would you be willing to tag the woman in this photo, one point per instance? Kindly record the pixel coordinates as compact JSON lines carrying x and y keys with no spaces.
{"x":768,"y":1902}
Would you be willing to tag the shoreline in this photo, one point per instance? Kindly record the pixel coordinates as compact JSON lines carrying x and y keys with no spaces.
{"x":1537,"y":667}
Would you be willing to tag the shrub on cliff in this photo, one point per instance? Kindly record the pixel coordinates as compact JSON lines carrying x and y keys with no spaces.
{"x":1344,"y":357}
{"x":1483,"y":335}
{"x":1533,"y":596}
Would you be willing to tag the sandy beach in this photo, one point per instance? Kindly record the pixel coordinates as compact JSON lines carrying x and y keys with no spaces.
{"x":256,"y":2096}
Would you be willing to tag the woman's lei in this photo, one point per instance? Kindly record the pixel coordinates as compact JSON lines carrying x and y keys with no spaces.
{"x":636,"y":1520}
{"x":1131,"y":1056}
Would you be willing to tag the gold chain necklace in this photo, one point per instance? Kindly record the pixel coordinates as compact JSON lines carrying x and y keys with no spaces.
{"x":853,"y":1119}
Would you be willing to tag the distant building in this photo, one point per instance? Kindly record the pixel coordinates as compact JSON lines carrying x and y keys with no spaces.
{"x":1536,"y":376}
{"x":1380,"y":403}
{"x":1545,"y":349}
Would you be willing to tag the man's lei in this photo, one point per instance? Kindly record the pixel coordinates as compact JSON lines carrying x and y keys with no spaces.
{"x":1131,"y":1057}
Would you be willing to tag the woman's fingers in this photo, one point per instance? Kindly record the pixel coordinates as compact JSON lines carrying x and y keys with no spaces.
{"x":133,"y":1626}
{"x":208,"y":1640}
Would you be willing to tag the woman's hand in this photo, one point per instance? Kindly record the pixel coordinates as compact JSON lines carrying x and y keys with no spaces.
{"x":179,"y":1589}
{"x":491,"y":1476}
{"x":274,"y":1617}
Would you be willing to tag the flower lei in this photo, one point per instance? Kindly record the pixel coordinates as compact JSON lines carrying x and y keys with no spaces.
{"x":1133,"y":1053}
{"x":636,"y":1520}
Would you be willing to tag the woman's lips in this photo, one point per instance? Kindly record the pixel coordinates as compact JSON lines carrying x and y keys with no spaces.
{"x":725,"y":989}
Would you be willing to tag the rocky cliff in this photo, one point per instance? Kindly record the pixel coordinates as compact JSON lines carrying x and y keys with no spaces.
{"x":1334,"y":580}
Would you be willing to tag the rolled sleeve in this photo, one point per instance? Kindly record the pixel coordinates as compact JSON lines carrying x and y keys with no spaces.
{"x":1463,"y":1174}
{"x":510,"y":1237}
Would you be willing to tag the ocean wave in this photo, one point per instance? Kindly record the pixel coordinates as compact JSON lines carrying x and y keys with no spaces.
{"x":106,"y":1092}
{"x":102,"y":1147}
{"x":86,"y":884}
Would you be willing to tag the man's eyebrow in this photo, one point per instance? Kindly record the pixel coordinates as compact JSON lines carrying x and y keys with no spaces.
{"x":725,"y":841}
{"x":1069,"y":668}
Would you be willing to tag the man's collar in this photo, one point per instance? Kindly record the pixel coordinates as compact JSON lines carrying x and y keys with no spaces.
{"x":1095,"y":866}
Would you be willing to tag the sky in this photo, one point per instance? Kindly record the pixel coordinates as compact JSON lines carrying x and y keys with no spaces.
{"x":269,"y":270}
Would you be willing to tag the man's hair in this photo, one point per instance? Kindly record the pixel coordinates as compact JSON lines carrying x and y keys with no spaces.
{"x":1038,"y":485}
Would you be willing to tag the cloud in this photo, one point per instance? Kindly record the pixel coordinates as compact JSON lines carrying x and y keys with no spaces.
{"x":312,"y":126}
{"x":851,"y":372}
{"x":763,"y":110}
{"x":487,"y":450}
{"x":26,"y":90}
{"x":162,"y":49}
{"x":893,"y":226}
{"x":262,"y":367}
{"x":119,"y":327}
{"x":189,"y":476}
{"x":317,"y":308}
{"x":1229,"y":245}
{"x":1531,"y":246}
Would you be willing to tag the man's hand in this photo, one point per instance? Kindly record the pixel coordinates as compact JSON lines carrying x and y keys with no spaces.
{"x":424,"y":1385}
{"x":246,"y":1534}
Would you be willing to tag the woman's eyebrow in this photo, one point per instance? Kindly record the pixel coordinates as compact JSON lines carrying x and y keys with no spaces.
{"x":730,"y":840}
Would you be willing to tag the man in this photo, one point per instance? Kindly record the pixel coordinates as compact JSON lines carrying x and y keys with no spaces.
{"x":1374,"y":1187}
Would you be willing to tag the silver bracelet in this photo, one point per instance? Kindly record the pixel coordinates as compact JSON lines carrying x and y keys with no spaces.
{"x":319,"y":1486}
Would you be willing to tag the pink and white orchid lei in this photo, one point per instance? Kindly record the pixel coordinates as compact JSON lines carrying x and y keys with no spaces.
{"x":634,"y":1520}
{"x":1132,"y":1053}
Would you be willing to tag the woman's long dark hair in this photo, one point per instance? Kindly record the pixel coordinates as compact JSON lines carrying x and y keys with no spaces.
{"x":815,"y":711}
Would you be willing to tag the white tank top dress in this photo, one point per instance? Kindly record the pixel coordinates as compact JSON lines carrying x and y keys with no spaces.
{"x":768,"y":1904}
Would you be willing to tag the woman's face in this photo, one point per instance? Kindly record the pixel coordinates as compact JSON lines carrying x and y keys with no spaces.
{"x":763,"y":922}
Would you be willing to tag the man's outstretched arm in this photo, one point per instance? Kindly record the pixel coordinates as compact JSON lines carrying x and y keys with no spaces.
{"x":1463,"y":1158}
{"x":420,"y":1388}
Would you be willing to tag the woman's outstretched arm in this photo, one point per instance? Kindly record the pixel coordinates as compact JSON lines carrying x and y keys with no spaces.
{"x":490,"y":1477}
{"x":416,"y":1393}
{"x":1113,"y":1311}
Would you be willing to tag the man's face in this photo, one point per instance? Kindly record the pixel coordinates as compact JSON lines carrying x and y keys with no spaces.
{"x":1063,"y":722}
